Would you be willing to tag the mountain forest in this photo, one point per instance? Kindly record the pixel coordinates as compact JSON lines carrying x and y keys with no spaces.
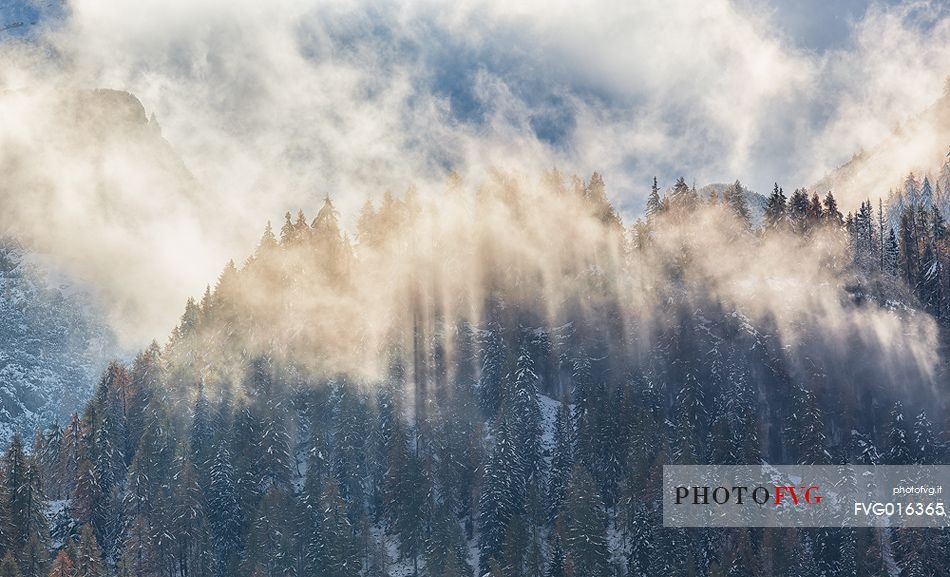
{"x":488,"y":381}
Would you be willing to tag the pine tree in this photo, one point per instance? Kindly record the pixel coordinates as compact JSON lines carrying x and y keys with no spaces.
{"x":734,"y":426}
{"x":270,"y":539}
{"x":562,"y":461}
{"x":924,"y":444}
{"x":445,"y":552}
{"x":654,"y":204}
{"x":245,"y":447}
{"x":267,"y":244}
{"x":892,"y":255}
{"x":805,"y":429}
{"x":831,"y":213}
{"x":775,"y":209}
{"x":224,"y":514}
{"x":408,"y":501}
{"x":735,"y":200}
{"x":351,"y":428}
{"x":909,"y":255}
{"x":798,"y":211}
{"x":47,"y":454}
{"x":500,"y":499}
{"x":189,"y":522}
{"x":526,"y":410}
{"x":586,"y":526}
{"x":515,"y":547}
{"x":493,"y":374}
{"x":310,"y":532}
{"x":149,"y":482}
{"x":690,"y":418}
{"x":340,"y":548}
{"x":816,"y":214}
{"x":146,"y":377}
{"x":898,"y":450}
{"x":643,"y":544}
{"x":17,"y":493}
{"x":556,"y":563}
{"x":201,"y":439}
{"x":274,"y":459}
{"x":28,"y":505}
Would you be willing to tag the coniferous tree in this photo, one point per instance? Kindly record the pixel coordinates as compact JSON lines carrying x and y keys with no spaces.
{"x":139,"y":557}
{"x":62,"y":565}
{"x":493,"y":374}
{"x":17,"y":494}
{"x":202,"y":437}
{"x":925,"y":447}
{"x":892,"y":255}
{"x":146,"y":377}
{"x":89,"y":560}
{"x":340,"y":548}
{"x":28,"y":514}
{"x":643,"y":546}
{"x":224,"y":514}
{"x":526,"y":410}
{"x":831,"y":213}
{"x":805,"y":429}
{"x":735,"y":199}
{"x":269,"y":543}
{"x":586,"y":526}
{"x":562,"y":460}
{"x":775,"y":208}
{"x":445,"y":552}
{"x":690,"y":418}
{"x":556,"y":561}
{"x":654,"y":204}
{"x":898,"y":449}
{"x":798,"y":211}
{"x":8,"y":566}
{"x":500,"y":499}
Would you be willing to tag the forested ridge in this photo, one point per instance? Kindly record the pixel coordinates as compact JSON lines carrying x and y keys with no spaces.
{"x":489,"y":381}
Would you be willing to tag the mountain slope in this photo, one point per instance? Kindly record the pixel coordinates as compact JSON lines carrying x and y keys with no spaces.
{"x":52,"y":345}
{"x":919,"y":145}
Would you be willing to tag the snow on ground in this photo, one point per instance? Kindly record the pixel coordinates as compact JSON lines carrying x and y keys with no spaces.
{"x":549,"y":410}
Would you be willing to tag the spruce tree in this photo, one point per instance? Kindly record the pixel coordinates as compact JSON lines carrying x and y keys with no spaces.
{"x":586,"y":526}
{"x":201,"y":439}
{"x":562,"y":460}
{"x":224,"y":514}
{"x":735,"y":200}
{"x":898,"y":448}
{"x":654,"y":204}
{"x":270,"y":540}
{"x":493,"y":374}
{"x":526,"y":410}
{"x":445,"y":551}
{"x":775,"y":208}
{"x":500,"y":499}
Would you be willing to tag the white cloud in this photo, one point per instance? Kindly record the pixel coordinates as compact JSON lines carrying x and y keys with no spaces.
{"x":273,"y":104}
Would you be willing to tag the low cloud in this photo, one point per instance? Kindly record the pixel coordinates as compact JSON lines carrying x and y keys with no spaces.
{"x":273,"y":105}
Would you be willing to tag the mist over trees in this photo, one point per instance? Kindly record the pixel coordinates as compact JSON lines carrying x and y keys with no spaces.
{"x":488,"y":382}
